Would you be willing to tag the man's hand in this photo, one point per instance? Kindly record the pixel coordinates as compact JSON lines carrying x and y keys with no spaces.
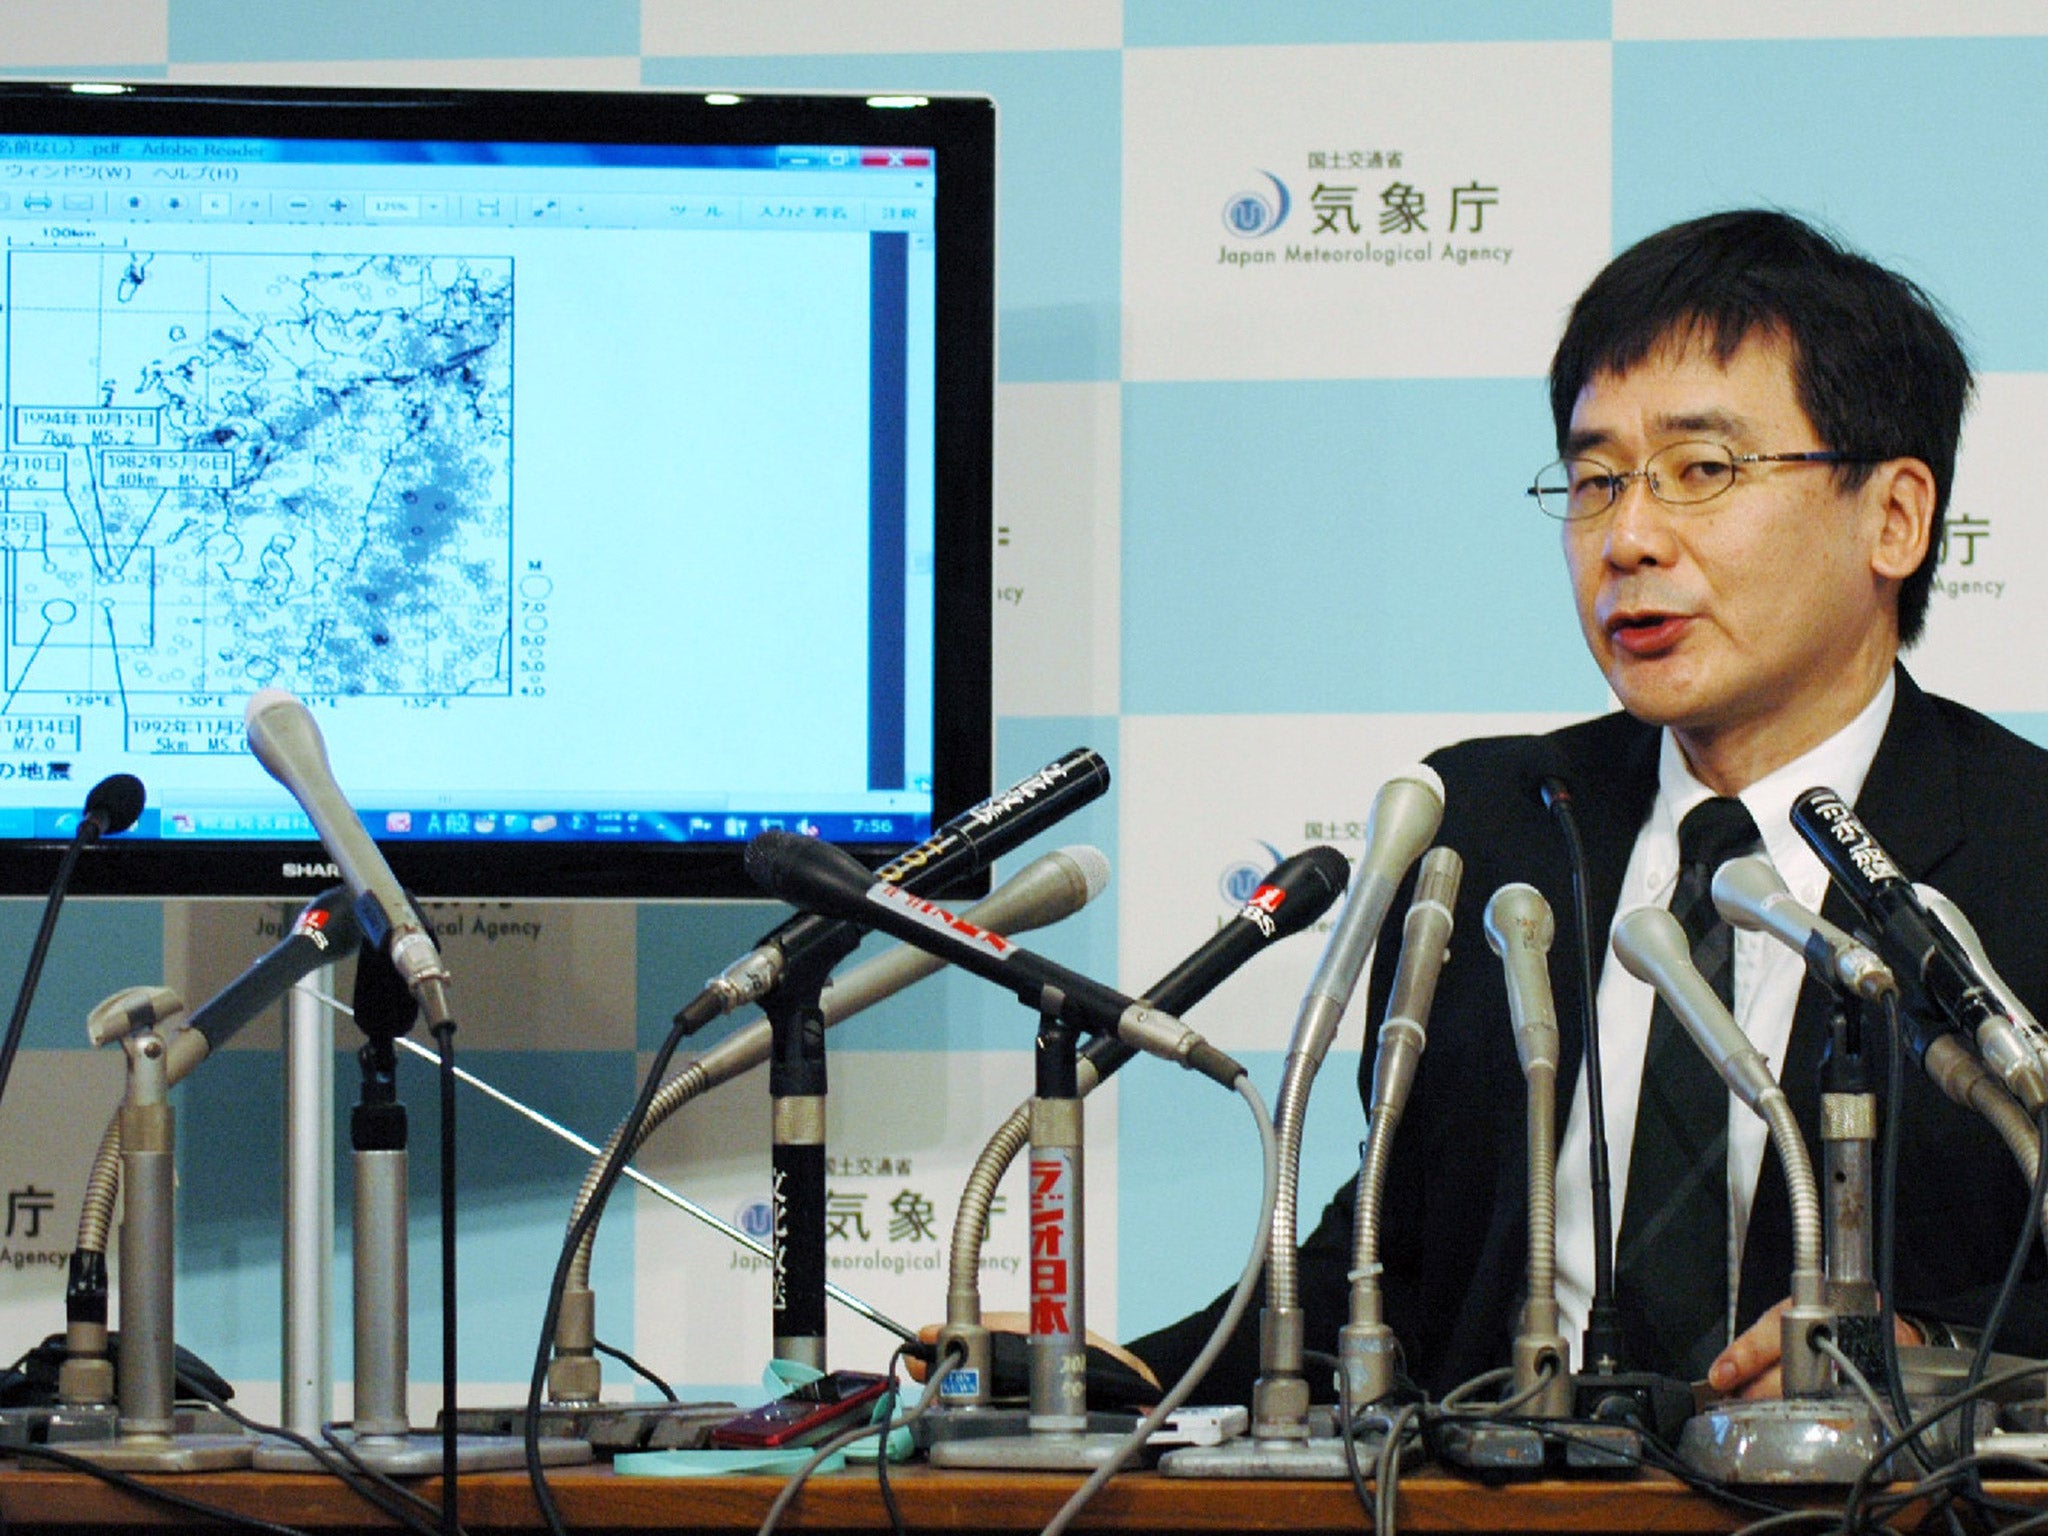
{"x":1749,"y":1366}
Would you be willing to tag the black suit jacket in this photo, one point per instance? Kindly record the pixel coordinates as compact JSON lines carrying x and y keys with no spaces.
{"x":1959,"y":801}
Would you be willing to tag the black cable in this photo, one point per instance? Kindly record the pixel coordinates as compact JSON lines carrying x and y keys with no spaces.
{"x":1888,"y":1229}
{"x":1603,"y":1317}
{"x":636,"y":1368}
{"x":1966,"y":1440}
{"x":687,"y":1022}
{"x":17,"y":1023}
{"x":1358,"y":1488}
{"x":1859,"y":1491}
{"x":954,"y":1357}
{"x":884,"y":1423}
{"x":451,"y":1509}
{"x":153,"y":1492}
{"x":329,"y":1433}
{"x":357,"y":1478}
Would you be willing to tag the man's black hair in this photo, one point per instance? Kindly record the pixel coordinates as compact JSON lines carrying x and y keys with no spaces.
{"x":1876,"y":368}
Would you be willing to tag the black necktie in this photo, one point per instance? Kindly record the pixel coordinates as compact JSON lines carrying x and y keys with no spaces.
{"x":1671,"y":1259}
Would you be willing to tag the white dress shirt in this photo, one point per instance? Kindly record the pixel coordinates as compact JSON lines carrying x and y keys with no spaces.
{"x":1767,"y":980}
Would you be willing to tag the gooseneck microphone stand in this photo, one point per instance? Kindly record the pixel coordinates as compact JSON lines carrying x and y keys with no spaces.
{"x":149,"y":1437}
{"x":1061,"y":1434}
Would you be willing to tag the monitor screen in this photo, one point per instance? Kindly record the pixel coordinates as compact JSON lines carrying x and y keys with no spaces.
{"x":608,"y":474}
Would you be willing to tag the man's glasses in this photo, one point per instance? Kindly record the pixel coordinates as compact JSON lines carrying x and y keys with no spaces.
{"x":1679,"y":475}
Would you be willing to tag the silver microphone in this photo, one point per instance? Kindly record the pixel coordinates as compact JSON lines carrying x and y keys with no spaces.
{"x":2012,"y":1046}
{"x":289,"y":746}
{"x":1652,"y":947}
{"x":1405,"y":815}
{"x":1519,"y":928}
{"x":1750,"y":894}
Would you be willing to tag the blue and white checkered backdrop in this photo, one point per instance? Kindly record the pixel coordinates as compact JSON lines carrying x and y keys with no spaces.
{"x":1278,"y":285}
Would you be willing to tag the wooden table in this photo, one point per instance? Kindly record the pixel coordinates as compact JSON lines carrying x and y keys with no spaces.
{"x":595,"y":1500}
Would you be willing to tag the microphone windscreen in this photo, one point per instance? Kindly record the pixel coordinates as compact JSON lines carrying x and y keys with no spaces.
{"x":1093,"y":865}
{"x":767,"y":858}
{"x":115,"y":803}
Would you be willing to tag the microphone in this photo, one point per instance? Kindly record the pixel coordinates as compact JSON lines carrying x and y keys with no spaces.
{"x":1296,"y":891}
{"x":1651,"y":946}
{"x":1914,"y":940}
{"x":111,"y":806}
{"x":325,"y":930}
{"x":1965,"y":933}
{"x":1368,"y":1354}
{"x":1425,"y":945}
{"x":289,"y":746}
{"x":1051,"y":888}
{"x":823,"y":879}
{"x":964,"y":846}
{"x":1750,"y":894}
{"x":1519,"y":929}
{"x":2012,"y":1045}
{"x":1405,"y":816}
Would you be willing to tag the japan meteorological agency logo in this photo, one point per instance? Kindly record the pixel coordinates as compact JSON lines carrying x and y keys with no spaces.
{"x":1256,"y":212}
{"x":1241,"y":877}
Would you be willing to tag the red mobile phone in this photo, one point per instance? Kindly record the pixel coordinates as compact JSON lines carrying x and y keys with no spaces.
{"x":804,"y":1417}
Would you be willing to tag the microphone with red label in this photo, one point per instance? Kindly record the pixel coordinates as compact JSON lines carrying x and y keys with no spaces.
{"x":823,"y":879}
{"x":964,"y":846}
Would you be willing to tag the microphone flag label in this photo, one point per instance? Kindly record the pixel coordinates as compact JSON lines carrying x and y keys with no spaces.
{"x":1262,"y":906}
{"x":1055,"y":1281}
{"x":931,"y":915}
{"x":1861,"y":849}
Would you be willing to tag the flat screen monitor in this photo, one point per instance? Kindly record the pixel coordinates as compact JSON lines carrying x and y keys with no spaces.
{"x":609,"y":474}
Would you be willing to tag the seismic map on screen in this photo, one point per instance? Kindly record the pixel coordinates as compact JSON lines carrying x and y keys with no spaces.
{"x":226,"y":471}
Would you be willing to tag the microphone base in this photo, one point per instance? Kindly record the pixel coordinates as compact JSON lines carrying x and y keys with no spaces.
{"x":1064,"y":1451}
{"x":1313,"y":1460}
{"x":1653,"y":1405}
{"x":983,"y":1422}
{"x":1781,"y":1442}
{"x":419,"y":1454}
{"x":609,"y":1428}
{"x":205,"y":1441}
{"x":212,"y":1443}
{"x":1538,"y":1447}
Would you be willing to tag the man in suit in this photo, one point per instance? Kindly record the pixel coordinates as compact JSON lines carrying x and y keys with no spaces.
{"x":1757,"y":432}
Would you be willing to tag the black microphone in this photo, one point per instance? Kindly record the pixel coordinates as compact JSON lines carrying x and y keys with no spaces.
{"x":964,"y":846}
{"x":288,"y":744}
{"x":1297,"y":891}
{"x":822,"y":878}
{"x":325,"y":930}
{"x":1908,"y":936}
{"x":111,"y":806}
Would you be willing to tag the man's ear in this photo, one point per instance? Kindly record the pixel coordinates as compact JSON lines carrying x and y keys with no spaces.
{"x":1902,"y":491}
